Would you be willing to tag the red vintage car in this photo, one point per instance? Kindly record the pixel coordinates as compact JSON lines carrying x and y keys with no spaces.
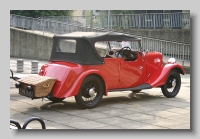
{"x":88,"y":65}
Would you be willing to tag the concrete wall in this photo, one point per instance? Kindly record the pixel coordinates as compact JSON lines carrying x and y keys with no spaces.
{"x":29,"y":44}
{"x":175,"y":35}
{"x":35,"y":45}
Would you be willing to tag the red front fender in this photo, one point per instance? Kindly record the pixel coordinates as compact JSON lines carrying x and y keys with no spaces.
{"x":74,"y":89}
{"x":159,"y":77}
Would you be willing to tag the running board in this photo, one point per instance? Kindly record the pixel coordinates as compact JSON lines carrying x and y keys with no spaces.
{"x":140,"y":87}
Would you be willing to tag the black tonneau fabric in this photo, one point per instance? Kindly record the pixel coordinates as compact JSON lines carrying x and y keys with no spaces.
{"x":86,"y":53}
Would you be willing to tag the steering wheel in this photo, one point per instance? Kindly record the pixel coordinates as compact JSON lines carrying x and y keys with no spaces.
{"x":122,"y":51}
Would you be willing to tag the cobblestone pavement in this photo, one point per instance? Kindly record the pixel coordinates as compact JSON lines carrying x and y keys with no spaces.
{"x":148,"y":109}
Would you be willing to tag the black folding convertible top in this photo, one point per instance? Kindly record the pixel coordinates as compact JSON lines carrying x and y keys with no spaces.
{"x":86,"y":53}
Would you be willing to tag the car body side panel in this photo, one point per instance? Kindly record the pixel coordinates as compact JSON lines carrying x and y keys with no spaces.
{"x":159,"y":77}
{"x":110,"y":69}
{"x":131,"y":72}
{"x":70,"y":75}
{"x":108,"y":72}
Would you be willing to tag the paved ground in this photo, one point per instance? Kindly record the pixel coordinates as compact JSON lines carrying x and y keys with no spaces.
{"x":148,"y":109}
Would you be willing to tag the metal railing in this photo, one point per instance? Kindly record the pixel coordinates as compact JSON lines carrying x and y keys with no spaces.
{"x":148,"y":20}
{"x":180,"y":51}
{"x":64,"y":24}
{"x":152,"y":21}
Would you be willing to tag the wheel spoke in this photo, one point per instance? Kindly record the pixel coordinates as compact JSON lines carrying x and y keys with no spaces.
{"x":89,"y":91}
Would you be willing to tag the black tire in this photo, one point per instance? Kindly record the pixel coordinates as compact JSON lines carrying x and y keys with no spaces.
{"x":90,"y":93}
{"x":56,"y":100}
{"x":34,"y":119}
{"x":172,"y":85}
{"x":136,"y":91}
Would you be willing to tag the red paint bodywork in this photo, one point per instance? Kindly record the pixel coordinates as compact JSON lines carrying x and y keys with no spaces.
{"x":116,"y":73}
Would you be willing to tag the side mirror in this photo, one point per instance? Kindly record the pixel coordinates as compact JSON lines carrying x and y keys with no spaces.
{"x":111,"y":52}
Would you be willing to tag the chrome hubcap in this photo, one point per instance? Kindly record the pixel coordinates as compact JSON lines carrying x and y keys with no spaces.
{"x":173,"y":85}
{"x":92,"y":92}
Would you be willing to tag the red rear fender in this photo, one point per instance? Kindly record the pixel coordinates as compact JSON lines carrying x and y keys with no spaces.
{"x":74,"y":89}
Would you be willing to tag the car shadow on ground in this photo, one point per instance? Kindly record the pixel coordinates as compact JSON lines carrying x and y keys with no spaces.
{"x":129,"y":99}
{"x":126,"y":98}
{"x":123,"y":101}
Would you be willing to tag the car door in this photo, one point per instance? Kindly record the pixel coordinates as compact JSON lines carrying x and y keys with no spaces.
{"x":131,"y":72}
{"x":111,"y":71}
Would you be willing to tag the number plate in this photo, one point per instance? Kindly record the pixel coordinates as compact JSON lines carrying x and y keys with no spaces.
{"x":26,"y":93}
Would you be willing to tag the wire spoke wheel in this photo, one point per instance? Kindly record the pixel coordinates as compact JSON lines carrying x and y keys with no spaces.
{"x":172,"y":84}
{"x":90,"y":93}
